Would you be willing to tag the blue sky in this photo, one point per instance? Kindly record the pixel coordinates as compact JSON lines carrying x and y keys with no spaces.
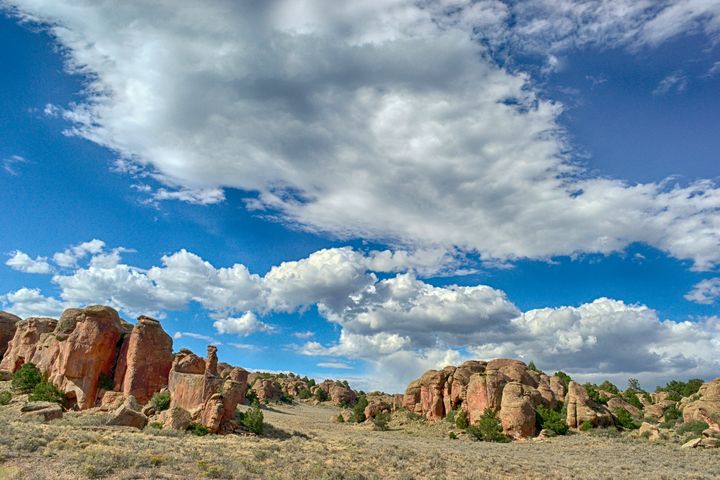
{"x":368,"y":192}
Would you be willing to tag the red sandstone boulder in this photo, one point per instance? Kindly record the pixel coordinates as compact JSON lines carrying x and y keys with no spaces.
{"x":432,"y":387}
{"x":580,"y":408}
{"x":517,"y":410}
{"x":456,"y":384}
{"x":8,"y":323}
{"x":208,"y":397}
{"x":484,"y":390}
{"x":267,"y":390}
{"x":148,"y":359}
{"x":22,"y":347}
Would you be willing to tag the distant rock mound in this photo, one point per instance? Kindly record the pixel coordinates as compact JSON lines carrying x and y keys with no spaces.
{"x":505,"y":386}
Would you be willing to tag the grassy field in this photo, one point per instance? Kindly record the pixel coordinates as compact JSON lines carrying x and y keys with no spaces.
{"x":301,"y":442}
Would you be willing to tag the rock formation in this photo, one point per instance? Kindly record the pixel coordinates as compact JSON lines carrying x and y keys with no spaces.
{"x":505,"y":386}
{"x":24,"y":343}
{"x":581,"y":408}
{"x":707,"y":407}
{"x":143,"y":369}
{"x":196,"y":387}
{"x":8,"y":323}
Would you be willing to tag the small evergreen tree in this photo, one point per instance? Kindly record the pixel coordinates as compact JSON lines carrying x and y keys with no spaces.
{"x":26,"y":378}
{"x":488,"y":428}
{"x":359,"y":409}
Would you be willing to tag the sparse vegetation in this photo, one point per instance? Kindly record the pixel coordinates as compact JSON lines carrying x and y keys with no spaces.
{"x":585,"y":426}
{"x":198,"y":429}
{"x":625,"y":419}
{"x":531,"y":366}
{"x":594,"y":393}
{"x":461,"y":420}
{"x":672,"y":414}
{"x":380,"y":421}
{"x":252,"y":419}
{"x":161,"y":401}
{"x":488,"y":428}
{"x":26,"y":378}
{"x":5,"y":397}
{"x":695,"y":428}
{"x":677,"y":390}
{"x":46,"y":392}
{"x":358,"y":414}
{"x":321,"y":395}
{"x":564,"y":377}
{"x":552,"y":420}
{"x":304,"y":394}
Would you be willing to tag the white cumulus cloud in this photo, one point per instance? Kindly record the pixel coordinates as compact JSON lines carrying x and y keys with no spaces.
{"x":705,"y":292}
{"x":22,"y":262}
{"x":383,"y":120}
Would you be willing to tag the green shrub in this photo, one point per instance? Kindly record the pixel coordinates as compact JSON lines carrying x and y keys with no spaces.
{"x":594,"y":394}
{"x":340,"y":418}
{"x":564,"y":377}
{"x":630,"y":396}
{"x":304,"y":394}
{"x":452,"y":436}
{"x":461,"y":420}
{"x":285,"y":398}
{"x":695,"y":427}
{"x":552,"y":420}
{"x":625,"y":419}
{"x":161,"y":401}
{"x":105,"y":382}
{"x":198,"y":429}
{"x":46,"y":392}
{"x":5,"y":397}
{"x":488,"y":428}
{"x":26,"y":378}
{"x":531,"y":366}
{"x":251,"y":397}
{"x":608,"y":387}
{"x":252,"y":420}
{"x":155,"y":425}
{"x":672,"y":414}
{"x":450,"y":417}
{"x":585,"y":426}
{"x":677,"y":389}
{"x":321,"y":395}
{"x":380,"y":421}
{"x":359,"y":409}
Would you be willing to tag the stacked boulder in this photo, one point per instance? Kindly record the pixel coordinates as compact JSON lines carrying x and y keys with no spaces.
{"x":198,"y":391}
{"x":337,"y":392}
{"x":507,"y":387}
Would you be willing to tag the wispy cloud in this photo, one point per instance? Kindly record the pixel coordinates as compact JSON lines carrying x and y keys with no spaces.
{"x":196,"y":336}
{"x":9,"y":164}
{"x":676,"y":82}
{"x":705,"y":292}
{"x":303,"y":335}
{"x":338,"y":365}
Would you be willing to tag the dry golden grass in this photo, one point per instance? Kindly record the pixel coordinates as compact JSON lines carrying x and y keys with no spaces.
{"x":302,"y":443}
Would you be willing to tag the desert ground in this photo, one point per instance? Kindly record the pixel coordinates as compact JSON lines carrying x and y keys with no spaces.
{"x":302,"y":442}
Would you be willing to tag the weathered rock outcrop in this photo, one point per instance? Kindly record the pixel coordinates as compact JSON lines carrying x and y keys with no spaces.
{"x":143,"y":369}
{"x":580,"y":408}
{"x":8,"y":324}
{"x":267,"y":390}
{"x":707,"y":407}
{"x":25,"y":342}
{"x":505,"y":386}
{"x":339,"y":392}
{"x":196,"y":386}
{"x":517,"y":410}
{"x":128,"y":415}
{"x":618,"y":403}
